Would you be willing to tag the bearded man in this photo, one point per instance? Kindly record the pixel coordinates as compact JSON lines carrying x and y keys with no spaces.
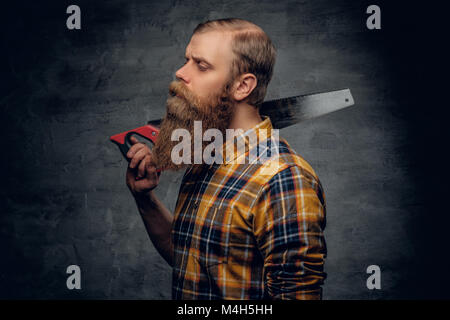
{"x":240,"y":230}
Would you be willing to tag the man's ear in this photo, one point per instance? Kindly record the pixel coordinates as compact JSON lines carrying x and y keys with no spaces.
{"x":245,"y":84}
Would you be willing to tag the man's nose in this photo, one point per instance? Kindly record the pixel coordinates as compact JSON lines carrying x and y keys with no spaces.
{"x":181,"y":75}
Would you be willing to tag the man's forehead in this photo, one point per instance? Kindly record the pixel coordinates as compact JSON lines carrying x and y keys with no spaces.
{"x":213,"y":46}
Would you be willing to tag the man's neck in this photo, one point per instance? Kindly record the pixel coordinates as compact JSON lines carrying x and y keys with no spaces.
{"x":245,"y":117}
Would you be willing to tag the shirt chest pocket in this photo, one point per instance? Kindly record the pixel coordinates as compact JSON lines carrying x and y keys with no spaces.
{"x":213,"y":235}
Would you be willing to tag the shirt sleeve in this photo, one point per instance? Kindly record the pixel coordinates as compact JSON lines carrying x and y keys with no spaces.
{"x":288,"y":224}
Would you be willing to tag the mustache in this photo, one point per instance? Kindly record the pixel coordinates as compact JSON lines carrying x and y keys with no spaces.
{"x":183,"y":105}
{"x":178,"y":89}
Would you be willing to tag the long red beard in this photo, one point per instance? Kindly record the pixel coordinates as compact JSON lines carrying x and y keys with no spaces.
{"x":182,"y":109}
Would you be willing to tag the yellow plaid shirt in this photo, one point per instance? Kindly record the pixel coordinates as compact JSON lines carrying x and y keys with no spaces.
{"x":250,"y":230}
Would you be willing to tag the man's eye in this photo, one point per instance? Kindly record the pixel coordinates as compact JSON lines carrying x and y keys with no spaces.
{"x":202,"y":68}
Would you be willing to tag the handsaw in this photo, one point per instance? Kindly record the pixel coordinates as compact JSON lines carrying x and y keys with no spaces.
{"x":283,"y":113}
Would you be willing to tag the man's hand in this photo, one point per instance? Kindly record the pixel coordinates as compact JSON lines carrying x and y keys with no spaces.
{"x":142,"y":178}
{"x":141,"y":175}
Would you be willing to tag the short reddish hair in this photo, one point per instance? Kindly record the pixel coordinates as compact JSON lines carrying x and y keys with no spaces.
{"x":253,"y":49}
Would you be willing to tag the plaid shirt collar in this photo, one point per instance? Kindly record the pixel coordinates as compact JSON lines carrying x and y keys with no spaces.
{"x":230,"y":148}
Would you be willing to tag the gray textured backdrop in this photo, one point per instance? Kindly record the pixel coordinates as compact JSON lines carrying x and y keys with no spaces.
{"x":64,"y":198}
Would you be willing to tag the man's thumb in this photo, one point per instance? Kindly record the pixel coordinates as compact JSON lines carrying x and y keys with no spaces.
{"x":134,"y":140}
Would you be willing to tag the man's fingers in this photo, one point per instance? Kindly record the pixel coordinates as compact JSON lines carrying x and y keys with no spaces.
{"x":140,"y":154}
{"x":134,"y":149}
{"x":137,"y":145}
{"x":142,"y":166}
{"x":151,"y":169}
{"x":134,"y":140}
{"x":141,"y":171}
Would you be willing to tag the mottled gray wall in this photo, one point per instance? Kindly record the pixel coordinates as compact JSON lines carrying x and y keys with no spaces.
{"x":64,"y":198}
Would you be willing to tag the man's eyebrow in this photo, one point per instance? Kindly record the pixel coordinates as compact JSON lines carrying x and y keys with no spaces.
{"x":200,"y":59}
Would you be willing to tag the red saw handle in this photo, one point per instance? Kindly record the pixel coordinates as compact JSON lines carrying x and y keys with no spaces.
{"x":123,"y":141}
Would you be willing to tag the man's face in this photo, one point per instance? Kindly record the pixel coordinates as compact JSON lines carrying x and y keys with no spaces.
{"x":208,"y":63}
{"x":200,"y":94}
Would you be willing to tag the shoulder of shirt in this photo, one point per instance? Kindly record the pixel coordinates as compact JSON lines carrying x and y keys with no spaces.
{"x":286,"y":157}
